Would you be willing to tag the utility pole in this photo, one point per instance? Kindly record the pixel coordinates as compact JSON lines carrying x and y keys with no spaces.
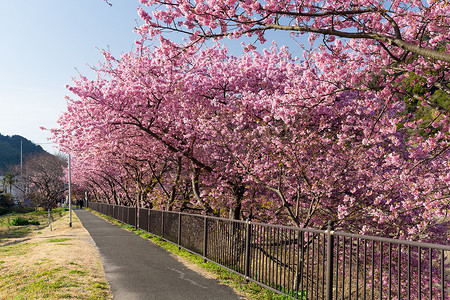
{"x":21,"y":182}
{"x":70,"y":197}
{"x":21,"y":158}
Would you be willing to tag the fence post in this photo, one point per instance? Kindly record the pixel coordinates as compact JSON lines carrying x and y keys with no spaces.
{"x":162,"y":223}
{"x":247,"y":249}
{"x":148,"y":220}
{"x":49,"y":220}
{"x":136,"y":221}
{"x":179,"y":231}
{"x":330,"y":262}
{"x":205,"y":238}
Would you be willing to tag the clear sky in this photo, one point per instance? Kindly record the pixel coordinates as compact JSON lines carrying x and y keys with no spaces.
{"x":44,"y":43}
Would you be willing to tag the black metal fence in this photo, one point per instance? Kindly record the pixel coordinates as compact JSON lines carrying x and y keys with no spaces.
{"x":299,"y":262}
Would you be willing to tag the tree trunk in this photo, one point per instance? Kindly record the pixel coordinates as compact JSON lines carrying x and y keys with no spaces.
{"x":238,"y":194}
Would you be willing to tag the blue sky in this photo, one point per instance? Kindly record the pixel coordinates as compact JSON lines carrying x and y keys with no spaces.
{"x":41,"y":44}
{"x":44,"y":43}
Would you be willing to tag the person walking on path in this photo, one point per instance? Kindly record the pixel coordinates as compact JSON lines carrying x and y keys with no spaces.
{"x":136,"y":268}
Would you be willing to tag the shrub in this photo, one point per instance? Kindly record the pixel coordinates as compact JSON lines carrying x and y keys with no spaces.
{"x":21,"y":221}
{"x":6,"y":200}
{"x":4,"y":210}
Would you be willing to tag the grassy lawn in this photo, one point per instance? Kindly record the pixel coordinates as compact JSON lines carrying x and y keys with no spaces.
{"x":49,"y":262}
{"x":8,"y":230}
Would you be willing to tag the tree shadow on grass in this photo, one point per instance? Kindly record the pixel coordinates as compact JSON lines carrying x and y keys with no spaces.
{"x":15,"y":242}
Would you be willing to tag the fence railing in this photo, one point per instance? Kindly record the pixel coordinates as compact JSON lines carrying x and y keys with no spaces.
{"x":299,"y":262}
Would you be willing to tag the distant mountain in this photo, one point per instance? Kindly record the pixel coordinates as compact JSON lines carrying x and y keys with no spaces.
{"x":10,"y":150}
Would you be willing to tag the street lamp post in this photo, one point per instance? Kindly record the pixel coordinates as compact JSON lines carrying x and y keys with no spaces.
{"x":70,"y":196}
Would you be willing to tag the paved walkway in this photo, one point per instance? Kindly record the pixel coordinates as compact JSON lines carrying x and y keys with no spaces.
{"x":138,"y":269}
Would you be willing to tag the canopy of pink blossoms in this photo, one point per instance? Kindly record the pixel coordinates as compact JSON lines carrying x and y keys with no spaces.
{"x":262,"y":136}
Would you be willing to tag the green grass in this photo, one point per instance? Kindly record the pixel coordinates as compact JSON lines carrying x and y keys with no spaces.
{"x":17,"y":249}
{"x":79,"y":272}
{"x":35,"y":219}
{"x":47,"y":272}
{"x":250,"y":289}
{"x":41,"y":278}
{"x":60,"y":240}
{"x":11,"y":275}
{"x":46,"y":283}
{"x":52,"y":283}
{"x":98,"y":290}
{"x":42,"y":261}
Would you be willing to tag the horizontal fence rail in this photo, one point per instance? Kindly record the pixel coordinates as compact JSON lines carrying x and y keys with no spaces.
{"x":299,"y":262}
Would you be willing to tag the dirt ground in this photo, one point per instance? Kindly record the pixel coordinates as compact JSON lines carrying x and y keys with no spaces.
{"x":55,"y":262}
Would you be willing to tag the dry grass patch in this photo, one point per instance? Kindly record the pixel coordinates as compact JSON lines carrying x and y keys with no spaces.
{"x":52,"y":264}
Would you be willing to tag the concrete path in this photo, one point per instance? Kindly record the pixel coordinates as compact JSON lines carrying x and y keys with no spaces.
{"x":138,"y":269}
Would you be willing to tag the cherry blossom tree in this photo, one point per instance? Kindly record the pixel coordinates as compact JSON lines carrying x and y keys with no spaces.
{"x":354,"y":131}
{"x":408,"y":25}
{"x":263,"y":136}
{"x":397,"y":28}
{"x":43,"y":178}
{"x":266,"y":136}
{"x":396,"y":44}
{"x":392,"y":50}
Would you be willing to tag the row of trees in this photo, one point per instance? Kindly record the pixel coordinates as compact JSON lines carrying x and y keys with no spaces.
{"x":355,"y":131}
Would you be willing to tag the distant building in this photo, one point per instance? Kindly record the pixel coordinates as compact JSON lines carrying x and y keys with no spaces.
{"x":15,"y":191}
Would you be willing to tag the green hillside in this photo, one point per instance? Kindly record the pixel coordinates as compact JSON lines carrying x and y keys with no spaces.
{"x":10,"y":150}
